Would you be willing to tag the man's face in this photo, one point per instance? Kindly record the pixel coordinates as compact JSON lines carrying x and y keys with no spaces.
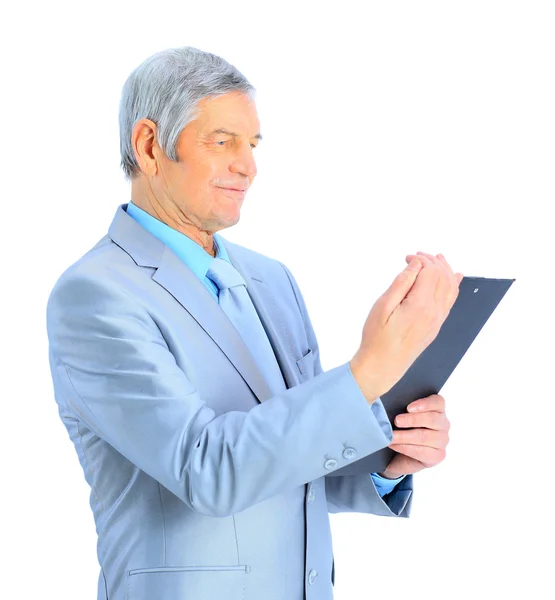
{"x":215,"y":153}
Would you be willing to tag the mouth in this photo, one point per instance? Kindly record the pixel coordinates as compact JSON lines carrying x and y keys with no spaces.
{"x":237,"y":193}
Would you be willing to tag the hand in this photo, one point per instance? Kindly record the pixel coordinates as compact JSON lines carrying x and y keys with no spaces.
{"x":403,"y":322}
{"x":425,"y":445}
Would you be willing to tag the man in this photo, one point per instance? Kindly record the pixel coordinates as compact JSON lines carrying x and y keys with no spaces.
{"x":187,"y":371}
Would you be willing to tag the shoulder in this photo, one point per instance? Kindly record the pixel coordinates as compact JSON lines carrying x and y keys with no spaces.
{"x":105,"y":266}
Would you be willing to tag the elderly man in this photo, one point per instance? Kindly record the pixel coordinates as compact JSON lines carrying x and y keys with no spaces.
{"x":187,"y":371}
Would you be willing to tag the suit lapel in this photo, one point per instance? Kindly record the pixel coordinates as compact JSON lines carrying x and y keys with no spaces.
{"x":175,"y":277}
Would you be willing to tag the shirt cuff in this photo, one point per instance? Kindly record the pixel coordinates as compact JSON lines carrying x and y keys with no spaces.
{"x":381,"y":417}
{"x":383,"y":485}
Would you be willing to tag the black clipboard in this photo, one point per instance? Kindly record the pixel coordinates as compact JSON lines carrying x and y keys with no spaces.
{"x":478,"y":297}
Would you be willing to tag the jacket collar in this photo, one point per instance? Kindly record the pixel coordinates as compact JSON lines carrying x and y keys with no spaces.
{"x":176,"y":277}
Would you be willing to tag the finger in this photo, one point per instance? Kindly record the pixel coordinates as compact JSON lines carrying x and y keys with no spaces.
{"x":427,"y":456}
{"x":403,"y":465}
{"x":445,"y":287}
{"x":424,"y":287}
{"x":439,"y":260}
{"x":433,"y":258}
{"x":421,"y":257}
{"x":428,"y":261}
{"x":447,"y":265}
{"x":430,"y":420}
{"x":456,"y":277}
{"x":435,"y":402}
{"x":455,"y":280}
{"x":421,"y":437}
{"x":401,"y":286}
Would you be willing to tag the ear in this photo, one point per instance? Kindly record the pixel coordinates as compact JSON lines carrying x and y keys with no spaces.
{"x":145,"y":146}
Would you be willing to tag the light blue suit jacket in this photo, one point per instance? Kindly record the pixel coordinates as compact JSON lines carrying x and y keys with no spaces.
{"x":203,"y":485}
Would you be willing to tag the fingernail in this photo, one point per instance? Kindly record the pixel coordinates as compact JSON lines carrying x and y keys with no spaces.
{"x":414,"y":264}
{"x":413,"y":407}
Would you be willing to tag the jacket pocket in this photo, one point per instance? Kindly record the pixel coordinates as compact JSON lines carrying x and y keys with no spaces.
{"x":306,"y":364}
{"x":188,"y":583}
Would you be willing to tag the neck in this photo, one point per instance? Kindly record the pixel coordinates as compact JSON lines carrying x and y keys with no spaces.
{"x":155,"y":209}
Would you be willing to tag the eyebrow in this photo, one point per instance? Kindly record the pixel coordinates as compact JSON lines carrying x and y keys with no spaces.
{"x":258,"y":136}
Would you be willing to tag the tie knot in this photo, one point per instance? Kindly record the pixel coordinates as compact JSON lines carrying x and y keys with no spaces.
{"x":224,"y":274}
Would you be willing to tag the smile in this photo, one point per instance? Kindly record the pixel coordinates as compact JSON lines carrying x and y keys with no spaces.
{"x":234,"y":193}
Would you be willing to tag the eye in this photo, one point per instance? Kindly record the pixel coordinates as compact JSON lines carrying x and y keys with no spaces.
{"x":253,"y":145}
{"x":222,"y":142}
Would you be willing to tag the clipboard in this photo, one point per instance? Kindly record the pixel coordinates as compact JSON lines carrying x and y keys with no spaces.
{"x":478,"y":298}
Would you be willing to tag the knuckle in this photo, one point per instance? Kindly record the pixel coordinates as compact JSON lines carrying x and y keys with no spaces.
{"x":435,"y":421}
{"x":419,"y":452}
{"x":437,"y":400}
{"x":434,"y":457}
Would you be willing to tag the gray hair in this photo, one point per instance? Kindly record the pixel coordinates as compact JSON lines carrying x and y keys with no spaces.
{"x":166,"y":88}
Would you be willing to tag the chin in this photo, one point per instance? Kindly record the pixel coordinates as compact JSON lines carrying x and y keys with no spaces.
{"x":225,"y":221}
{"x":226,"y":214}
{"x":233,"y":221}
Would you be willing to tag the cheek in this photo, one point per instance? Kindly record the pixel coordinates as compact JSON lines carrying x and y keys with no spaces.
{"x":207,"y":173}
{"x":195,"y":181}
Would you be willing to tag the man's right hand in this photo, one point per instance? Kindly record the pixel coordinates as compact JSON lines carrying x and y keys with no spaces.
{"x":405,"y":319}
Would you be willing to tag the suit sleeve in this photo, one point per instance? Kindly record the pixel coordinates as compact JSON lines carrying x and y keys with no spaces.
{"x":112,"y":370}
{"x":356,"y":493}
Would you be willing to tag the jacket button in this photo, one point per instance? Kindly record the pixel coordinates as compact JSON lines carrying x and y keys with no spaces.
{"x":331,"y":463}
{"x":312,"y":577}
{"x":349,"y":453}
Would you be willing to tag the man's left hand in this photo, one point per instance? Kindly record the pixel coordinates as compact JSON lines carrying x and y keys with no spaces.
{"x":425,"y":444}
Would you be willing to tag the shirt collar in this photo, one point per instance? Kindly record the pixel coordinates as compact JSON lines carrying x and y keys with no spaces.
{"x":191,"y":253}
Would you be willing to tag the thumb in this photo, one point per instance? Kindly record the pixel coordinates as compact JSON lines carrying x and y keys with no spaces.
{"x":401,"y":286}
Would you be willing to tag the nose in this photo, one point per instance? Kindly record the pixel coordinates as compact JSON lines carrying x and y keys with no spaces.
{"x":244,"y":163}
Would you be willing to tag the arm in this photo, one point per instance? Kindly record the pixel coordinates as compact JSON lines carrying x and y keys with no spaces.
{"x":113,"y":371}
{"x":356,"y":493}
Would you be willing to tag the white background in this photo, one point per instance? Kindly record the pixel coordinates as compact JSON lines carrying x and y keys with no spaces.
{"x":389,"y":127}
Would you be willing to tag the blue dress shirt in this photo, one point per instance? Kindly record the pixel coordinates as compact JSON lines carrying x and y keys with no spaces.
{"x":198,"y":260}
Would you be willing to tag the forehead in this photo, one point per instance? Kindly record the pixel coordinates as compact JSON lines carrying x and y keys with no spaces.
{"x":234,"y":111}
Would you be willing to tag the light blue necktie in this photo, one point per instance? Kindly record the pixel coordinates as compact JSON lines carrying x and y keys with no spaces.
{"x":237,"y":305}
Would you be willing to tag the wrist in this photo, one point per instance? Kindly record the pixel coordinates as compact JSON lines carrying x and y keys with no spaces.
{"x":369,"y":388}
